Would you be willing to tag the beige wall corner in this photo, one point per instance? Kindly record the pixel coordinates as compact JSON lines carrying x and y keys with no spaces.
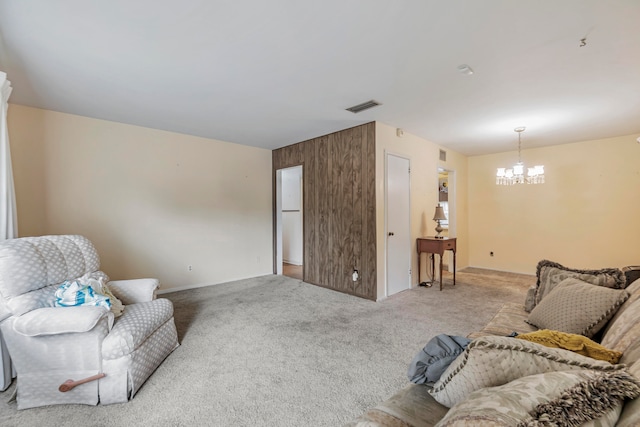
{"x":424,"y":159}
{"x":153,"y":202}
{"x":586,"y":215}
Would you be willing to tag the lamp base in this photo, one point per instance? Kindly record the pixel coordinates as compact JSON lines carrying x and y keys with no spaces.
{"x":438,"y":231}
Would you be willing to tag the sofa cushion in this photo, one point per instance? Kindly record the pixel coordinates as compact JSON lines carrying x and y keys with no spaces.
{"x":135,"y":325}
{"x":549,"y":274}
{"x":492,"y":361}
{"x":510,"y":318}
{"x":624,"y":326}
{"x":572,"y":342}
{"x":554,"y":398}
{"x":411,"y":406}
{"x":577,"y":307}
{"x":630,"y":416}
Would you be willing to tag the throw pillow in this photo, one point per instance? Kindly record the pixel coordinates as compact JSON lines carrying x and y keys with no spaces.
{"x":549,"y":274}
{"x":631,"y":273}
{"x":577,"y":307}
{"x":492,"y":361}
{"x":572,"y":342}
{"x":569,"y":398}
{"x":530,"y":299}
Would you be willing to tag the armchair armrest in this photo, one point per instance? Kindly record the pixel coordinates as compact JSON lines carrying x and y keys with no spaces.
{"x":134,"y":291}
{"x":60,"y":320}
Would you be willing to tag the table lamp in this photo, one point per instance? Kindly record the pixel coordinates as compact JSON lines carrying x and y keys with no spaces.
{"x":437,"y":217}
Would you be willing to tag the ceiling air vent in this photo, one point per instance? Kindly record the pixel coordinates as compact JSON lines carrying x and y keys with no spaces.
{"x":443,"y":156}
{"x":363,"y":106}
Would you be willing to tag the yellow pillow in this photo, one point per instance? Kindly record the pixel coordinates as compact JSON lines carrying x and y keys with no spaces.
{"x":573,"y":342}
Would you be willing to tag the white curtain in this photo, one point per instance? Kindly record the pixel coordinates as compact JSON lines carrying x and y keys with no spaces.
{"x":8,"y":216}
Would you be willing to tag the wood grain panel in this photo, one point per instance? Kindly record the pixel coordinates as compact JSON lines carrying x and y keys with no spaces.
{"x":369,"y":279}
{"x":309,"y":180}
{"x":336,"y":231}
{"x":324,"y":189}
{"x":357,"y":228}
{"x":348,"y":148}
{"x":286,"y":157}
{"x":339,"y":207}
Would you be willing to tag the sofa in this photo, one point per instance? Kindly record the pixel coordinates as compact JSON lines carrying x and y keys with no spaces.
{"x":496,"y":364}
{"x":99,"y":346}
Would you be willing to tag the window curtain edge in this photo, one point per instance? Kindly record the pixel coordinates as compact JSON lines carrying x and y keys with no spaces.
{"x":8,"y":209}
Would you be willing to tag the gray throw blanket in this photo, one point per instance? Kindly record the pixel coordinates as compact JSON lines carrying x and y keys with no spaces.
{"x":431,"y":362}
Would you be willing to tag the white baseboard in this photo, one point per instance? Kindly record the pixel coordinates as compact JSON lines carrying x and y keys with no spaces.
{"x":203,"y":285}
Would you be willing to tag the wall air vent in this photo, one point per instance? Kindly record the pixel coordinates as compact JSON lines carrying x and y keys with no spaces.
{"x":363,"y":106}
{"x":443,"y":156}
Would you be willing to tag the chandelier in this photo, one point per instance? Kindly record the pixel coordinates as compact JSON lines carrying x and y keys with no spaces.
{"x":515,"y":175}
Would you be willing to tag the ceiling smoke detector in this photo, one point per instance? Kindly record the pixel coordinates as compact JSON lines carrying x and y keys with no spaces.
{"x":465,"y":69}
{"x":363,"y":106}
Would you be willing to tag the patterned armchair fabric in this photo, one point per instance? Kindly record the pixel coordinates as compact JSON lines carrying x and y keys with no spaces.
{"x":50,"y":345}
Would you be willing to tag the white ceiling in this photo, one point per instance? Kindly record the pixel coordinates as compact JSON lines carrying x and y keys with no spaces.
{"x":273,"y":73}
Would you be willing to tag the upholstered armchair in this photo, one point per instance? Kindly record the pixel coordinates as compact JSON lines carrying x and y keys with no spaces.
{"x":79,"y":354}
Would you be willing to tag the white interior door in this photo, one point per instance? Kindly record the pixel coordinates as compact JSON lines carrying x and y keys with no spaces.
{"x":398,"y":224}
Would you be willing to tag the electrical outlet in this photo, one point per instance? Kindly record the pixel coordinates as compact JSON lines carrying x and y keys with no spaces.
{"x":189,"y":268}
{"x":355,"y":275}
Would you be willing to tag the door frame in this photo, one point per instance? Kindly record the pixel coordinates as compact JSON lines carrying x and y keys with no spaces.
{"x":388,"y":153}
{"x":277,"y":220}
{"x":451,"y":180}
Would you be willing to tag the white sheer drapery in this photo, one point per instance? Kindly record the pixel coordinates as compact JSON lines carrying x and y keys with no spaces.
{"x":8,"y":216}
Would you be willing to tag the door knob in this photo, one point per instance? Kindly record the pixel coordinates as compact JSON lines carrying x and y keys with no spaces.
{"x":391,"y":233}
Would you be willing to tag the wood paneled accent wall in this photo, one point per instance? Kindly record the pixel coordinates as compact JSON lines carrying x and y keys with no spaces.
{"x":339,"y":208}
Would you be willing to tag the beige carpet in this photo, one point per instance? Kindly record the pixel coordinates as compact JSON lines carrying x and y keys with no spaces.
{"x":274,"y":351}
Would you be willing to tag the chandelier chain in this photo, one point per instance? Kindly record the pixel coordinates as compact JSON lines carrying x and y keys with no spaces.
{"x":519,"y":148}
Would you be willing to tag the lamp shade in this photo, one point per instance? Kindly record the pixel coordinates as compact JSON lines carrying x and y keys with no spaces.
{"x":439,"y":215}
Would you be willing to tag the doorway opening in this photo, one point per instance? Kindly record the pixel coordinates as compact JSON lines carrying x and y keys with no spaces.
{"x":447,"y":199}
{"x":289,"y":220}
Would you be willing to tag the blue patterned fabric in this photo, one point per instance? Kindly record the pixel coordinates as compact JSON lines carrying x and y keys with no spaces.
{"x":73,"y":293}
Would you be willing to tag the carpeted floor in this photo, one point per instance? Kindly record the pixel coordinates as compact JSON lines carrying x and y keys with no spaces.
{"x":275,"y":351}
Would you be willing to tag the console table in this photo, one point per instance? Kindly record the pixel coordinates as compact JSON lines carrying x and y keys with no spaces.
{"x":434,"y":246}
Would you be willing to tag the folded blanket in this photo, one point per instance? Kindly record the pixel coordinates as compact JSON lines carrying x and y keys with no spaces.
{"x":87,"y":291}
{"x":100,"y":287}
{"x":573,"y":342}
{"x":73,"y":293}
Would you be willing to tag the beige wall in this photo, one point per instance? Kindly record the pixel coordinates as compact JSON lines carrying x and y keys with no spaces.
{"x":424,"y":160}
{"x":153,"y":202}
{"x":586,"y":215}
